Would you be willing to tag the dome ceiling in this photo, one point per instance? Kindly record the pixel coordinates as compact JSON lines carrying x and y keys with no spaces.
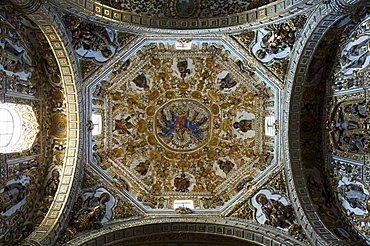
{"x":185,"y":8}
{"x":184,"y":16}
{"x":181,"y":124}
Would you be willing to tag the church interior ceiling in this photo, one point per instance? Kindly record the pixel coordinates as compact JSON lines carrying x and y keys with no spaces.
{"x":173,"y":120}
{"x":30,"y":178}
{"x":348,"y":123}
{"x":338,"y":177}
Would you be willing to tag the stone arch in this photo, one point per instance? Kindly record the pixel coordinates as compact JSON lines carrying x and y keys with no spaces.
{"x":318,"y":24}
{"x":154,"y":228}
{"x":52,"y":27}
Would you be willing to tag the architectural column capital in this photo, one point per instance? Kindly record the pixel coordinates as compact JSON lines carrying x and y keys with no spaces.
{"x":28,"y":6}
{"x":341,"y":6}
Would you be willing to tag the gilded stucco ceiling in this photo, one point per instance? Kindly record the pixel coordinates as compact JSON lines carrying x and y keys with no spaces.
{"x":136,"y":119}
{"x":185,"y":9}
{"x":185,"y":124}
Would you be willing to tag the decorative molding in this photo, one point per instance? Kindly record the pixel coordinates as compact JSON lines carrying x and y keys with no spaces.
{"x":28,"y":6}
{"x":233,"y":228}
{"x":123,"y":21}
{"x":53,"y":29}
{"x":341,"y":6}
{"x":317,"y":25}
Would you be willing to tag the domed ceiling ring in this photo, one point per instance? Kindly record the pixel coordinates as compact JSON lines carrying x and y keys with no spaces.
{"x":182,"y":22}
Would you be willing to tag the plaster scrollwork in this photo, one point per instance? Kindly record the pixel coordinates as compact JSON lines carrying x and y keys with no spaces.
{"x":341,"y":6}
{"x":93,"y":44}
{"x":98,"y":203}
{"x":272,"y":44}
{"x":276,"y":40}
{"x":89,"y":40}
{"x":52,"y":28}
{"x":92,"y":210}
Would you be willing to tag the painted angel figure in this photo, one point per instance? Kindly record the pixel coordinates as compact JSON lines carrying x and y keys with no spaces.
{"x":180,"y":123}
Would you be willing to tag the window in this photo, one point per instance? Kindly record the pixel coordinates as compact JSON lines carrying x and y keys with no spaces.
{"x":18,"y":127}
{"x":6,"y":127}
{"x":97,"y":122}
{"x":270,"y":126}
{"x":183,"y":203}
{"x":183,"y":45}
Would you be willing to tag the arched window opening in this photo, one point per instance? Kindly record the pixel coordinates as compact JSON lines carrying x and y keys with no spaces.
{"x":6,"y":127}
{"x":18,"y":127}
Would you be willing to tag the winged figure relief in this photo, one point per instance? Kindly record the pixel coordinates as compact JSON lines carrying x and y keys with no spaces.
{"x":181,"y":123}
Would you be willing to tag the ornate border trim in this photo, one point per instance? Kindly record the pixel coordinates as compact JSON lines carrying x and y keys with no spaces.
{"x":316,"y":27}
{"x":249,"y":231}
{"x":53,"y":29}
{"x":120,"y":20}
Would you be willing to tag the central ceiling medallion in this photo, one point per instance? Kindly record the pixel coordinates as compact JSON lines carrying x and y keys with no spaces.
{"x":183,"y":125}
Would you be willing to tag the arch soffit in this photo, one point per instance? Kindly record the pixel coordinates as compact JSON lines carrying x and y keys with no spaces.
{"x":52,"y":28}
{"x":317,"y":25}
{"x":249,"y":231}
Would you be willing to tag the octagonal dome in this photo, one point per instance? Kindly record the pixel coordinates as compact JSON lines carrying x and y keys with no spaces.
{"x":189,"y":120}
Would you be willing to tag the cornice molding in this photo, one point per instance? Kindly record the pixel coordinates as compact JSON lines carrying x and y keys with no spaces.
{"x":128,"y":22}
